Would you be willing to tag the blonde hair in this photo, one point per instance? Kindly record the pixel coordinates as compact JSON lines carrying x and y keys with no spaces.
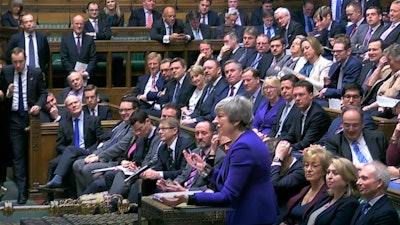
{"x":117,"y":10}
{"x":317,"y":151}
{"x":274,"y":81}
{"x":346,"y":169}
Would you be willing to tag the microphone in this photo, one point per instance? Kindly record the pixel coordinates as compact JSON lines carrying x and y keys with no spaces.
{"x":141,"y":170}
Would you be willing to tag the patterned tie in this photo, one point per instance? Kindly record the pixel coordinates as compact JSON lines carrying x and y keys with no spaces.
{"x":21,"y":108}
{"x":353,"y":30}
{"x":192,"y":174}
{"x":78,"y":44}
{"x":232,"y":91}
{"x":149,"y":21}
{"x":96,"y":26}
{"x":76,"y":133}
{"x":153,"y":81}
{"x":31,"y":52}
{"x":358,"y":153}
{"x":256,"y":61}
{"x":171,"y":157}
{"x":364,"y":208}
{"x":367,"y":37}
{"x":251,"y":101}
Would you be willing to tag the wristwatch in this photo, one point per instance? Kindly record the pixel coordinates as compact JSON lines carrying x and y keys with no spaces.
{"x":277,"y":159}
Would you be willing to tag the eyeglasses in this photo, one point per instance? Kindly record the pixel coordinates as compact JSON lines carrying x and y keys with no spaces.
{"x":352,"y":96}
{"x":165,"y":128}
{"x":311,"y":166}
{"x":124,"y":110}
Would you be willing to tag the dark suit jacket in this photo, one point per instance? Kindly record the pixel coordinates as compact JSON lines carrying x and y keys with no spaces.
{"x":104,"y":31}
{"x":43,"y":50}
{"x":312,"y":131}
{"x":222,"y":30}
{"x":163,"y":164}
{"x":351,"y":71}
{"x":338,"y":213}
{"x":7,"y":20}
{"x":393,"y":37}
{"x":205,"y":31}
{"x":261,"y":29}
{"x":264,"y":64}
{"x":104,"y":112}
{"x":204,"y":109}
{"x":259,"y":99}
{"x":36,"y":92}
{"x":382,"y":212}
{"x":256,"y":17}
{"x":92,"y":130}
{"x":212,"y":16}
{"x":365,"y":68}
{"x":238,"y":56}
{"x":290,"y":118}
{"x":138,"y":19}
{"x":243,"y":17}
{"x":375,"y":140}
{"x":336,"y":28}
{"x":141,"y":85}
{"x":45,"y":115}
{"x":247,"y":158}
{"x":158,"y":30}
{"x":69,"y":53}
{"x":184,"y":95}
{"x":294,"y":29}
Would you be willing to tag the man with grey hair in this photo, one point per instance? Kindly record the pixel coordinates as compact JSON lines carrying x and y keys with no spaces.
{"x":231,"y":16}
{"x":392,"y":33}
{"x":373,"y":181}
{"x":289,"y":28}
{"x":231,"y":49}
{"x":242,"y":20}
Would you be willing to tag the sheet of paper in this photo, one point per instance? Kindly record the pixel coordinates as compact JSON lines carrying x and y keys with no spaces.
{"x":386,"y":101}
{"x":80,"y":66}
{"x":335,"y":103}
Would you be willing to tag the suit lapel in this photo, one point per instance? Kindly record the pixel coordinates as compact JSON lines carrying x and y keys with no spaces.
{"x":372,"y":146}
{"x":346,"y":150}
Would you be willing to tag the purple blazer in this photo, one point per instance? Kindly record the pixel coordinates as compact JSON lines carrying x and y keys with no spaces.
{"x":263,"y":120}
{"x":244,"y":183}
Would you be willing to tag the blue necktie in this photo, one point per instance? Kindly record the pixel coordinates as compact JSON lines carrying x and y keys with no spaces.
{"x":21,"y":109}
{"x":359,"y":154}
{"x":31,"y":52}
{"x":338,"y":10}
{"x":76,"y":133}
{"x":306,"y":70}
{"x":176,"y":92}
{"x":269,"y":33}
{"x":256,"y":61}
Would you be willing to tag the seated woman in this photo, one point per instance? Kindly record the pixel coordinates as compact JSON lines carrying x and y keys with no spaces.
{"x":251,"y":196}
{"x":316,"y":161}
{"x":393,"y":150}
{"x":390,"y":87}
{"x":339,"y":205}
{"x":113,"y":14}
{"x":266,"y":113}
{"x":198,"y":78}
{"x":317,"y":67}
{"x":12,"y":17}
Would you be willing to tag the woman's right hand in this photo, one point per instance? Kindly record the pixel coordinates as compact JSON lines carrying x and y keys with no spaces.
{"x":194,"y":160}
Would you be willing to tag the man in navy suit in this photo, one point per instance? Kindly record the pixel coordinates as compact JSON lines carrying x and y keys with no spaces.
{"x":152,"y":82}
{"x":146,"y":16}
{"x":289,"y":28}
{"x":213,"y":92}
{"x":78,"y":135}
{"x":22,"y":89}
{"x":285,"y":115}
{"x":257,"y":14}
{"x":169,"y":28}
{"x":77,"y":47}
{"x":355,"y":15}
{"x":305,"y":16}
{"x":92,"y":106}
{"x":355,"y":143}
{"x":40,"y":55}
{"x":249,"y":43}
{"x":268,"y":28}
{"x":208,"y":17}
{"x":231,"y":49}
{"x":252,"y":84}
{"x":263,"y":58}
{"x":179,"y":90}
{"x":233,"y":73}
{"x":196,"y":29}
{"x":392,"y":31}
{"x":346,"y":69}
{"x":304,"y":131}
{"x":242,"y":19}
{"x":228,"y":25}
{"x":373,"y":181}
{"x":51,"y":112}
{"x":96,"y":26}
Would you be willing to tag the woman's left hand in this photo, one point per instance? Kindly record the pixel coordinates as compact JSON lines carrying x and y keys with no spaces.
{"x":176,"y":200}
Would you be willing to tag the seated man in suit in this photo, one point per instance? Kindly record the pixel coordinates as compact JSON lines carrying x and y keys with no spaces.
{"x":355,"y":143}
{"x":305,"y":131}
{"x":392,"y":31}
{"x":288,"y":28}
{"x":169,"y":28}
{"x":305,"y":16}
{"x":346,"y":69}
{"x":206,"y":52}
{"x":242,"y":18}
{"x":257,"y":13}
{"x":92,"y":107}
{"x":373,"y":181}
{"x":268,"y":28}
{"x":367,"y":32}
{"x":208,"y":149}
{"x":233,"y":73}
{"x":355,"y":16}
{"x":109,"y":152}
{"x":51,"y":112}
{"x":76,"y":87}
{"x":179,"y":90}
{"x":231,"y":49}
{"x":285,"y":115}
{"x":78,"y":135}
{"x":78,"y":49}
{"x":277,"y":46}
{"x":249,"y":43}
{"x":37,"y":55}
{"x":196,"y":29}
{"x":145,"y":16}
{"x":152,"y":82}
{"x":208,"y":16}
{"x":213,"y":92}
{"x":352,"y":95}
{"x":263,"y":58}
{"x":252,"y":84}
{"x":229,"y":24}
